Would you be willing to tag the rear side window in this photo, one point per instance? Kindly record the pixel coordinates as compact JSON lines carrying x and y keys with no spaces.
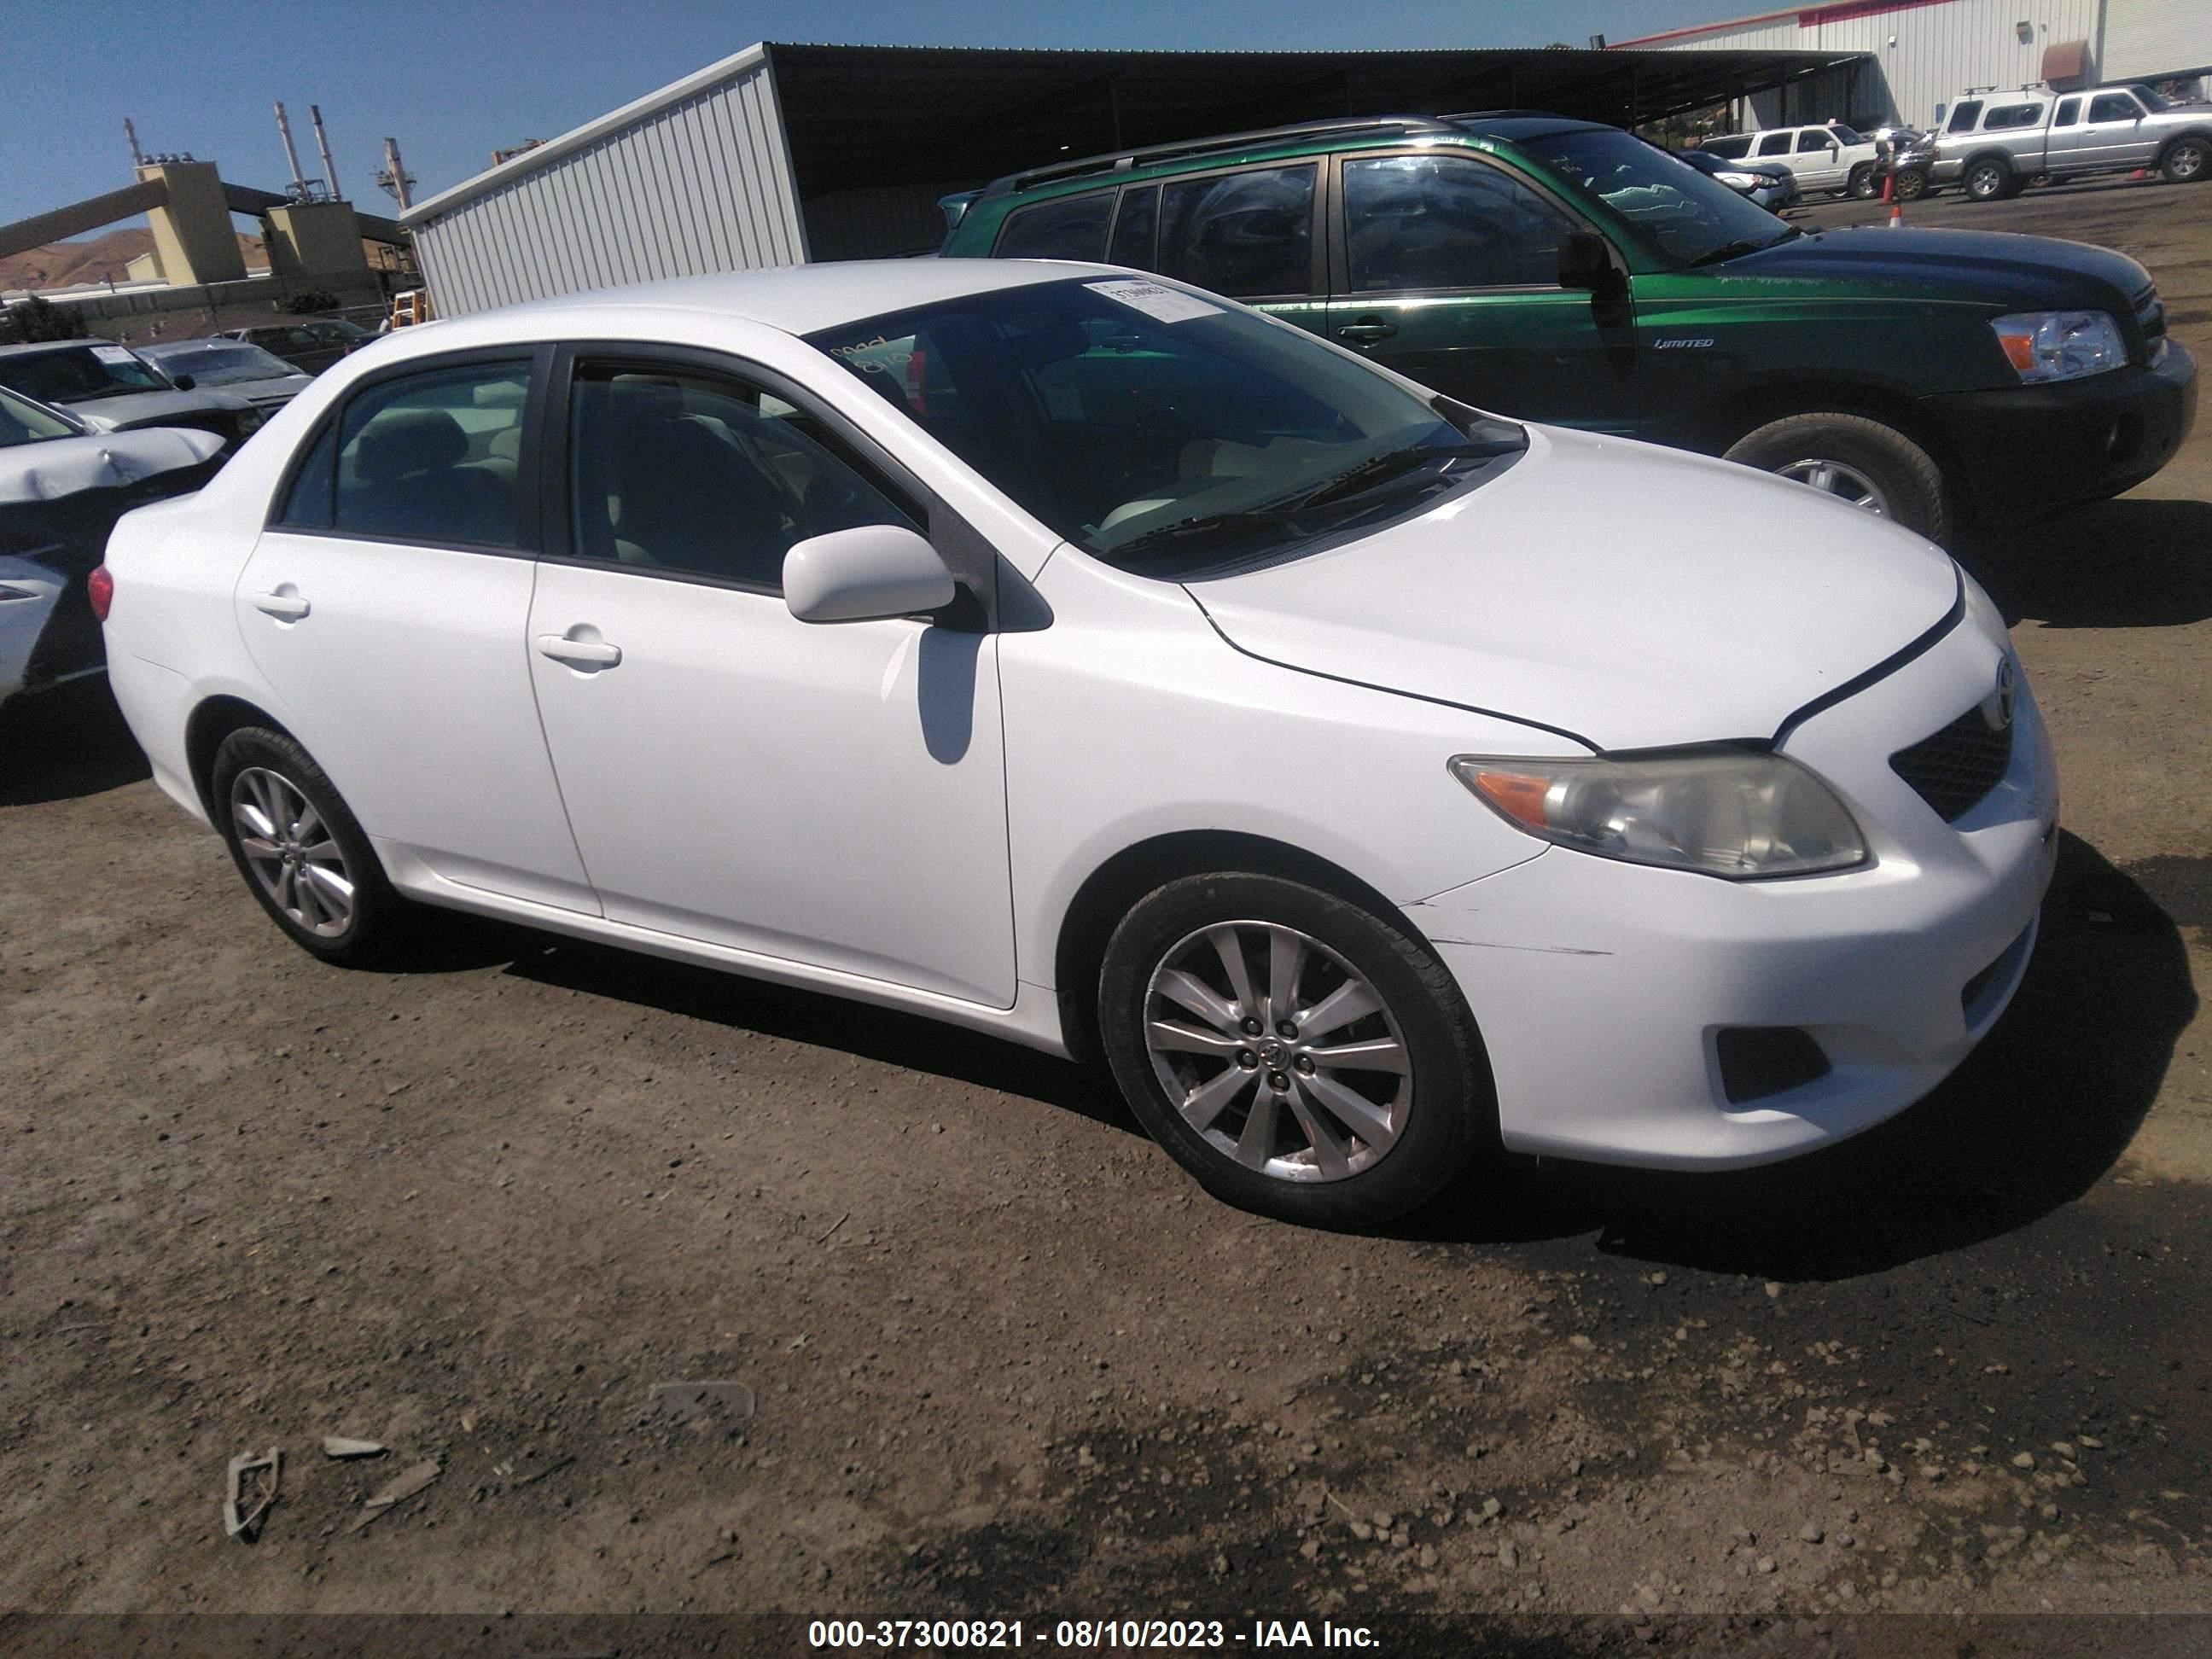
{"x":1133,"y":229}
{"x":1071,"y":229}
{"x":1245,"y":234}
{"x":433,"y":456}
{"x":1774,"y":144}
{"x":2069,"y":111}
{"x":1964,"y":116}
{"x":2114,"y":107}
{"x":1812,"y":139}
{"x":2012,"y":115}
{"x":1419,"y":222}
{"x":1734,"y":147}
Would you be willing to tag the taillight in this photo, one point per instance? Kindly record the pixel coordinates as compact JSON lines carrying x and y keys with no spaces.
{"x":101,"y":587}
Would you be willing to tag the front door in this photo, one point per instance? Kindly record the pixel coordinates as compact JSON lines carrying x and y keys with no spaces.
{"x":1819,"y":160}
{"x":1445,"y":268}
{"x":2113,"y":135}
{"x":828,"y":794}
{"x":385,"y":606}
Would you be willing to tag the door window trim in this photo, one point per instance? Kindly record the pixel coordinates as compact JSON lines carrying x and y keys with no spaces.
{"x":971,"y":558}
{"x":527,"y":521}
{"x":1340,"y":290}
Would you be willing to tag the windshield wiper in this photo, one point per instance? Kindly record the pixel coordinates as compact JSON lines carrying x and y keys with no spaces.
{"x":1738,"y":249}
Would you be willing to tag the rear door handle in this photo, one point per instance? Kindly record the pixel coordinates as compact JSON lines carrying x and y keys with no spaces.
{"x":283,"y":605}
{"x":579,"y":653}
{"x":1367,"y":330}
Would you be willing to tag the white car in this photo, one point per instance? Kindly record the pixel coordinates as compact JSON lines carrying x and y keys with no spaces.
{"x":1829,"y":156}
{"x":1080,"y":657}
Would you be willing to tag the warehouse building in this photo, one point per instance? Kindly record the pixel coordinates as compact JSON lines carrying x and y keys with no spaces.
{"x":1906,"y":59}
{"x":782,"y":154}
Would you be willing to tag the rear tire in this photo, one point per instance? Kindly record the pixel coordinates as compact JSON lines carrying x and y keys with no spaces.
{"x":302,"y":853}
{"x":2187,"y":162}
{"x":1860,"y":458}
{"x":1230,"y":1069}
{"x":1908,"y":184}
{"x":1989,"y":180}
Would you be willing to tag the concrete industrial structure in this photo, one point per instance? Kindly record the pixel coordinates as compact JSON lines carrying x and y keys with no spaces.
{"x":779,"y":154}
{"x":1910,"y":56}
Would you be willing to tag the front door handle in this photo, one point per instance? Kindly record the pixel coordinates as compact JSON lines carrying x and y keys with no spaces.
{"x":579,"y":653}
{"x":1367,"y":330}
{"x":285,"y":604}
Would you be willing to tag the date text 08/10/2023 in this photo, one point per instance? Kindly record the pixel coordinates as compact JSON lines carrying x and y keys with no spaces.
{"x":952,"y":1635}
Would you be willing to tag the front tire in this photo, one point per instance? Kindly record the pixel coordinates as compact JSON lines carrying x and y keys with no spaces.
{"x":1299,"y":1055}
{"x":1860,"y":462}
{"x":303,"y":854}
{"x":2187,"y":161}
{"x":1990,"y":181}
{"x":1862,"y":184}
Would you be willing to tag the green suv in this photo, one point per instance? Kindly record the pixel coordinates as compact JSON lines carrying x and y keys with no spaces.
{"x":1563,"y":271}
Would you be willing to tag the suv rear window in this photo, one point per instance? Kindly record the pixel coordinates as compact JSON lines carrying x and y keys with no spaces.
{"x":1775,"y":144}
{"x":1074,"y":228}
{"x":2012,"y":115}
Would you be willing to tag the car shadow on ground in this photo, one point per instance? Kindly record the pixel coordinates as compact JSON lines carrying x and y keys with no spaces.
{"x":2133,"y":563}
{"x":65,"y":743}
{"x":2036,"y":1115}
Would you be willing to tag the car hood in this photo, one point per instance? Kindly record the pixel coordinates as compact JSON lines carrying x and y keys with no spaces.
{"x":1627,"y":596}
{"x":64,"y":466}
{"x":2004,"y":270}
{"x":273,"y":389}
{"x":150,"y":408}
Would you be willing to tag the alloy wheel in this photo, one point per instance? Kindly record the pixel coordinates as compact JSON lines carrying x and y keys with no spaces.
{"x":2187,"y":163}
{"x":1277,"y":1051}
{"x":291,"y":852}
{"x":1846,"y":483}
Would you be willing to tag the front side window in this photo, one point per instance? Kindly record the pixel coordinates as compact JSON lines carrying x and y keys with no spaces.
{"x":1416,"y":221}
{"x":2012,"y":115}
{"x":1245,"y":234}
{"x":1775,"y":144}
{"x":1158,"y":430}
{"x":1964,"y":116}
{"x":433,"y":456}
{"x":2114,"y":107}
{"x":2069,"y":111}
{"x":1813,"y":138}
{"x":1074,"y":228}
{"x":703,"y":474}
{"x":80,"y":373}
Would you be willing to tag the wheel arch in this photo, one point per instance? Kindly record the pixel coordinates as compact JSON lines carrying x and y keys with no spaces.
{"x":1723,"y":424}
{"x":1110,"y":891}
{"x":213,"y":720}
{"x":2003,"y":158}
{"x":2202,"y":134}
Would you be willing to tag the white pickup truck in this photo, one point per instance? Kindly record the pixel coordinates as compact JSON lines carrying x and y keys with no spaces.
{"x":1992,"y":144}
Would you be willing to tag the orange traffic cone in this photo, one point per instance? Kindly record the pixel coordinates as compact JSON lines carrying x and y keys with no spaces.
{"x":1889,"y":195}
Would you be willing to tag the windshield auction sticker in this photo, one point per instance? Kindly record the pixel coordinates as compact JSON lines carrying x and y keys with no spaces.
{"x":1163,"y":304}
{"x":112,"y":354}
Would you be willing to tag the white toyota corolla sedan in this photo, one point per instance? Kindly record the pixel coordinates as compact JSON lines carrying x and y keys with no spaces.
{"x":1082,"y":658}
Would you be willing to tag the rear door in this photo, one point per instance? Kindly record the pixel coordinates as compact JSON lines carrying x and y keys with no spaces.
{"x":385,"y":605}
{"x":1445,"y":267}
{"x":2062,"y":144}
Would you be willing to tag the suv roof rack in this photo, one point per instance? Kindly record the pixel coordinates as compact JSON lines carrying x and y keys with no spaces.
{"x":1126,"y":161}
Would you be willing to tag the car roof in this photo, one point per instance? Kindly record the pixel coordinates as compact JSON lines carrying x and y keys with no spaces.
{"x":794,"y":298}
{"x":36,"y":347}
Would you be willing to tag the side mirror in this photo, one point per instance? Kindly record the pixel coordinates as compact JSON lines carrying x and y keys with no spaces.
{"x":1585,"y":262}
{"x":183,"y":382}
{"x":864,"y":575}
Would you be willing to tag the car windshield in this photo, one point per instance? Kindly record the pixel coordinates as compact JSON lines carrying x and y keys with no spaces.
{"x":1845,"y":135}
{"x":79,"y":375}
{"x":221,"y":363}
{"x":23,"y":422}
{"x":1162,"y":431}
{"x":1685,"y":214}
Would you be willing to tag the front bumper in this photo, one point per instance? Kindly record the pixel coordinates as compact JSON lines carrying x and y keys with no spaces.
{"x":1601,"y":988}
{"x":2027,"y":450}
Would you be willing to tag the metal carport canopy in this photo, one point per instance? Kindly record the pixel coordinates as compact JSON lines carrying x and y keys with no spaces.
{"x":862,"y":116}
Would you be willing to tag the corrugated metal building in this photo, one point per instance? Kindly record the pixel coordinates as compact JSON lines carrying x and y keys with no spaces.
{"x":782,"y":154}
{"x":1925,"y":52}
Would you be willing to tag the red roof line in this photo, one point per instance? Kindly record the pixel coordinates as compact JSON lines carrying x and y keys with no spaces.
{"x":1704,"y":28}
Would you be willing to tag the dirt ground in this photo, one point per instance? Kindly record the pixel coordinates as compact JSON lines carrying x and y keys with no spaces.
{"x":1001,"y":1357}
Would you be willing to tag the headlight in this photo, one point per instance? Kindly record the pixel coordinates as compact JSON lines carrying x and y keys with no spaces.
{"x":1741,"y":180}
{"x":2061,"y":345}
{"x":1739,"y":813}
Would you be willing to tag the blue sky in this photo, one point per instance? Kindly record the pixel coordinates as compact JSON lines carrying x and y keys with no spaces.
{"x":452,"y":80}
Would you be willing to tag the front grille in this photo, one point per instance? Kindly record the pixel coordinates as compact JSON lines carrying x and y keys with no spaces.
{"x":1954,"y":768}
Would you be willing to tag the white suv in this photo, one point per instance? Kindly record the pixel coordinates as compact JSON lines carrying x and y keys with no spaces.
{"x":1830,"y":157}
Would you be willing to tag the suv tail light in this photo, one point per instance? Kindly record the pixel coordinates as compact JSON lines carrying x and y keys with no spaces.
{"x":101,"y":588}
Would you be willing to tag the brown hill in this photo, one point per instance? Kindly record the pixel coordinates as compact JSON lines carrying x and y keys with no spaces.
{"x":96,"y":259}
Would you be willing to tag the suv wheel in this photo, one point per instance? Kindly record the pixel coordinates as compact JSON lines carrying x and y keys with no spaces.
{"x":2187,"y":161}
{"x":1860,"y":462}
{"x":1300,"y":1056}
{"x":301,"y":852}
{"x":1862,"y":184}
{"x":1990,"y":181}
